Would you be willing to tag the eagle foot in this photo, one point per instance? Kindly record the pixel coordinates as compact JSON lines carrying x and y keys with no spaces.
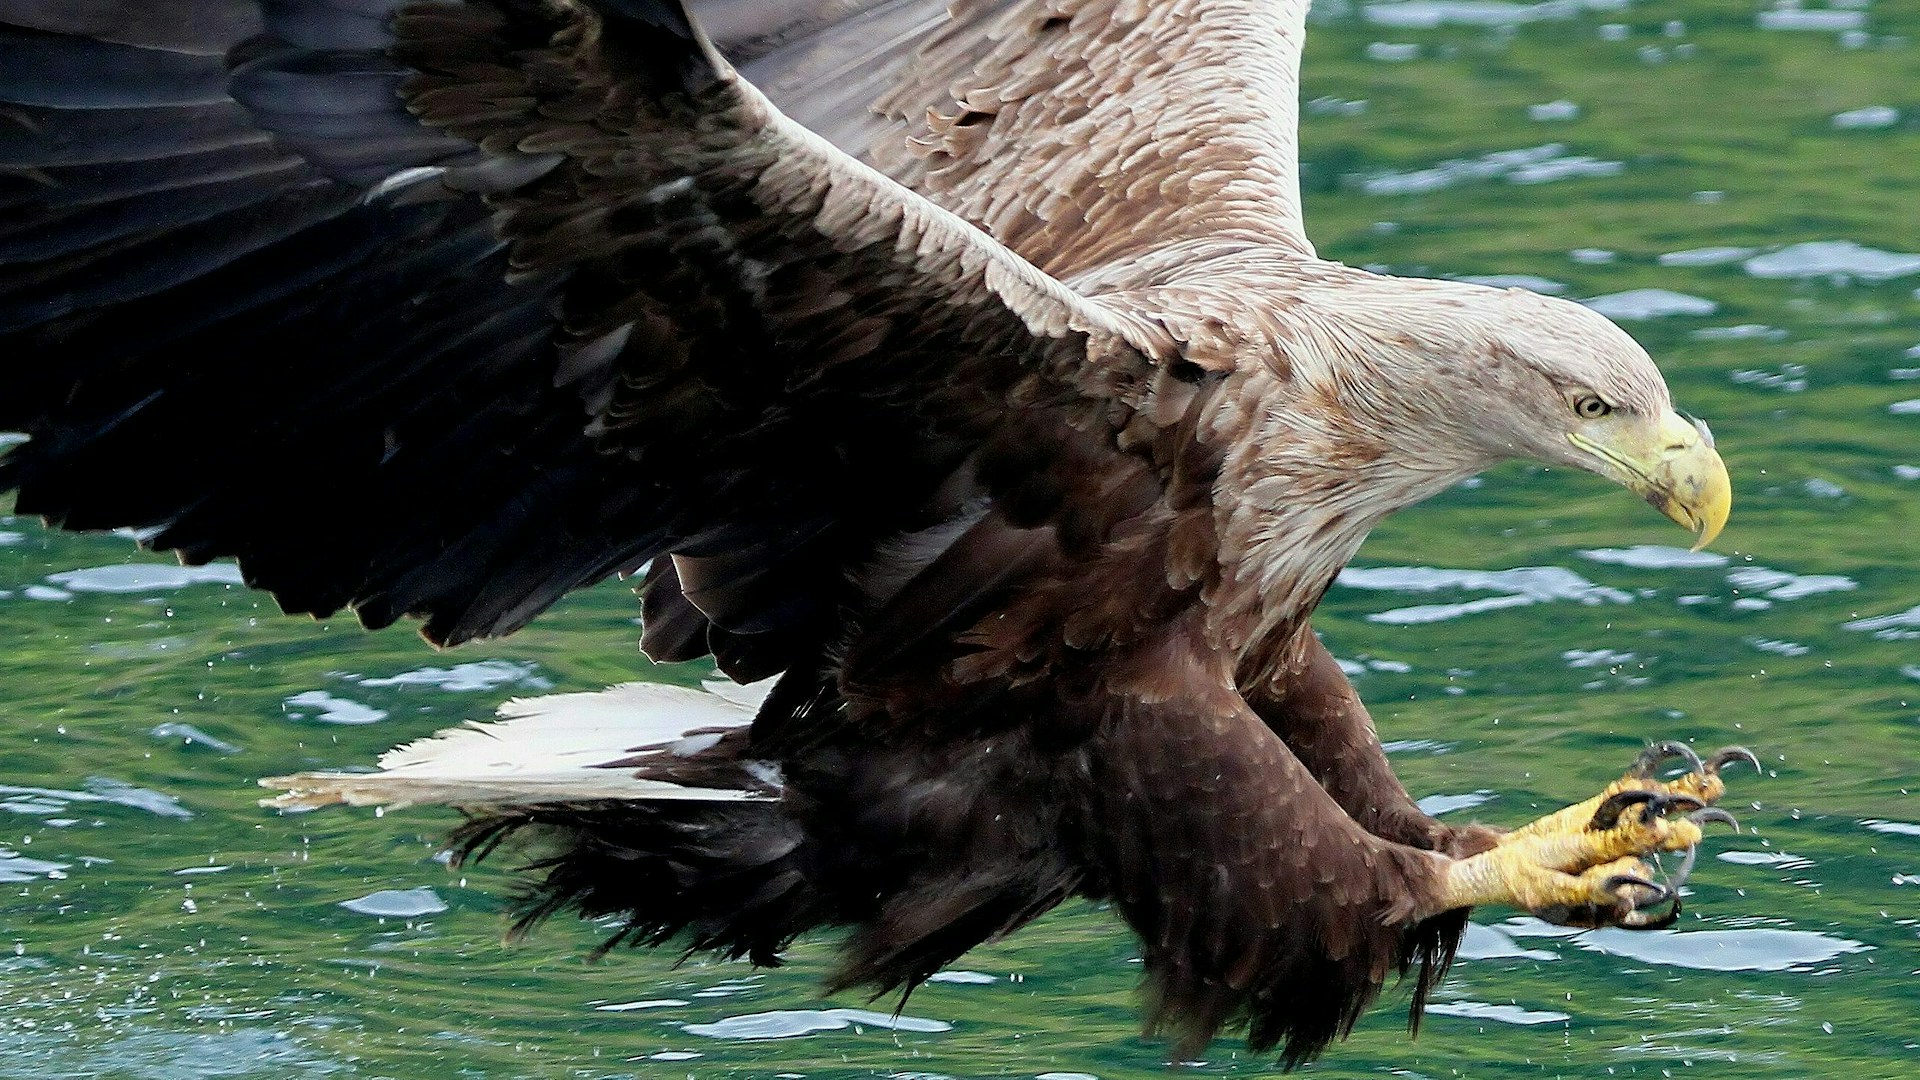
{"x":1592,"y":864}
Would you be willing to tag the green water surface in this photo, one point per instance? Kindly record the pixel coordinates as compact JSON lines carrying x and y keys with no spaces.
{"x":155,"y":923}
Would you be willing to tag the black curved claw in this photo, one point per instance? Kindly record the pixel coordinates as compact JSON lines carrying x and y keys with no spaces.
{"x":1660,"y":892}
{"x":1632,"y":921}
{"x":1607,"y":814}
{"x":1650,"y":759}
{"x":1727,"y":755}
{"x":1679,"y":876}
{"x":1713,"y":813}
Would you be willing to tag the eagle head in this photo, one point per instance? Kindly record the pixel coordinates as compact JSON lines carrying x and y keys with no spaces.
{"x":1457,"y":376}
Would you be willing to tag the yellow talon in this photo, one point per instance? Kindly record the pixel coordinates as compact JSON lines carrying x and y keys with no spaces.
{"x":1585,"y":865}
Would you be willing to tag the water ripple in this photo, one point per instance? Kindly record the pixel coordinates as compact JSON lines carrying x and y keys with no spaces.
{"x":333,"y":710}
{"x":1493,"y":943}
{"x":144,"y":577}
{"x":1655,"y":557}
{"x":398,"y":903}
{"x":1721,"y":950}
{"x":97,"y":789}
{"x":1900,"y":626}
{"x":1503,"y":1014}
{"x":1639,"y":304}
{"x":793,"y":1023}
{"x":1518,"y":587}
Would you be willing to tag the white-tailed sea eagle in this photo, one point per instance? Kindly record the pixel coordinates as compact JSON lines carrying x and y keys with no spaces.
{"x":965,"y":372}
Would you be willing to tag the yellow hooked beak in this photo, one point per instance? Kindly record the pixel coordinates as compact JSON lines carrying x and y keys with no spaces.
{"x":1674,"y":467}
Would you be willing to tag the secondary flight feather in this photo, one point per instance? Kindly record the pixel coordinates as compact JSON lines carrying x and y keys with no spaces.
{"x":964,"y":371}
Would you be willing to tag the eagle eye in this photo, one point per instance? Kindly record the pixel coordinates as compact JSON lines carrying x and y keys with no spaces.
{"x":1590,"y":407}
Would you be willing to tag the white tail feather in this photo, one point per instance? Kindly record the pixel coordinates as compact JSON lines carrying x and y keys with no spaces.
{"x":545,"y":750}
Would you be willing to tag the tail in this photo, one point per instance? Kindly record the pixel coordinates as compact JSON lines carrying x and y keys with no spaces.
{"x":624,"y":744}
{"x":645,"y":803}
{"x":634,"y":801}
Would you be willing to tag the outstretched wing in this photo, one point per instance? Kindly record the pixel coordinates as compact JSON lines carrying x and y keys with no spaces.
{"x":310,"y":360}
{"x":1093,"y":136}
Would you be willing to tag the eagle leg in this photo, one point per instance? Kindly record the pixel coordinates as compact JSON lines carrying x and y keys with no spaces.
{"x":1589,"y":865}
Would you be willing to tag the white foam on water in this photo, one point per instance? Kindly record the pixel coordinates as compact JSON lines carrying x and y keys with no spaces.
{"x":1750,"y":949}
{"x":1430,"y":14}
{"x":1493,"y":943}
{"x":144,"y":577}
{"x":1834,"y":259}
{"x":1892,"y":828}
{"x":1422,"y":614}
{"x":333,"y":710}
{"x":1910,"y":407}
{"x":16,"y":868}
{"x":1784,"y":17}
{"x":1592,"y":256}
{"x":1333,"y":106}
{"x":962,"y":978}
{"x":1528,"y":926}
{"x":1740,"y":332}
{"x":1869,"y":118}
{"x":1528,"y":165}
{"x":1780,"y":585}
{"x":1823,"y":489}
{"x":463,"y":678}
{"x":1436,"y":805}
{"x":1566,"y":168}
{"x":1415,"y":746}
{"x":1517,"y":587}
{"x":1706,"y":256}
{"x":1640,"y":304}
{"x":8,"y":539}
{"x":1502,"y":1014}
{"x":1777,"y":859}
{"x":1592,"y":658}
{"x":1551,"y":112}
{"x":636,"y":1006}
{"x":1529,"y":282}
{"x":397,"y":903}
{"x":794,"y":1023}
{"x":102,"y":789}
{"x":1789,"y":379}
{"x":1393,"y":52}
{"x":1899,"y":626}
{"x":1655,"y":557}
{"x":173,"y":731}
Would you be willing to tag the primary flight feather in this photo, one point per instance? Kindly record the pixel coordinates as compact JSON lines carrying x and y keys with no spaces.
{"x":962,"y":370}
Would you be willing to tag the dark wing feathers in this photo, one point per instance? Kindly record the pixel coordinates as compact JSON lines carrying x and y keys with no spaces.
{"x":189,"y":27}
{"x":249,"y":339}
{"x":1290,"y":920}
{"x":61,"y":72}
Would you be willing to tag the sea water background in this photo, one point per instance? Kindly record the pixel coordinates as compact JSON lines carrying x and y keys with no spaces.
{"x":1738,"y":183}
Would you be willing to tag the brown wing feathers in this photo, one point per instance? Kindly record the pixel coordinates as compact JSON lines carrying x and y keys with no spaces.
{"x":1272,"y":908}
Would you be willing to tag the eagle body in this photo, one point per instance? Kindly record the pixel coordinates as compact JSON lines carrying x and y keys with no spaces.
{"x":960,"y":376}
